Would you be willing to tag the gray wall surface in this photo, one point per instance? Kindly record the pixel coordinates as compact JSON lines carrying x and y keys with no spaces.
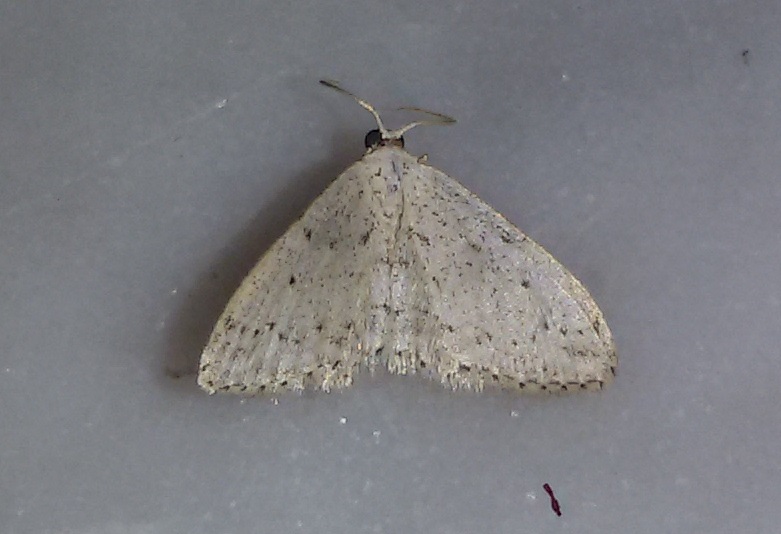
{"x":150,"y":152}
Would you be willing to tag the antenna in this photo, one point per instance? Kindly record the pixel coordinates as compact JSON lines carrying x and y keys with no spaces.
{"x":436,"y":118}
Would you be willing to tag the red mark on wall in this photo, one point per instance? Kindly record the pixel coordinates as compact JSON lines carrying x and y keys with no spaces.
{"x":554,"y":503}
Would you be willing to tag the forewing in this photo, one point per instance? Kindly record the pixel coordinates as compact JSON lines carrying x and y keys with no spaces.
{"x":478,"y":302}
{"x":313,"y":308}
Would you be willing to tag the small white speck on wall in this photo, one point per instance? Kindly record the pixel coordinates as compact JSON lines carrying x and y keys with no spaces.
{"x":397,"y":265}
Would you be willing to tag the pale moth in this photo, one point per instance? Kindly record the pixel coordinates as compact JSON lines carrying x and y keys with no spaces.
{"x":397,"y":265}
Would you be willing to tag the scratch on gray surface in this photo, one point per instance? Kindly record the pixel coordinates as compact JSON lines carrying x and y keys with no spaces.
{"x":115,"y":161}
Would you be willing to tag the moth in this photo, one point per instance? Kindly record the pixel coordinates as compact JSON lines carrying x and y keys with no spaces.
{"x":397,"y":265}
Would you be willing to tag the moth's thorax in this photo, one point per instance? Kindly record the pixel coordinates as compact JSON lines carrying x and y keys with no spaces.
{"x":396,"y":168}
{"x":386,"y":149}
{"x":395,"y":158}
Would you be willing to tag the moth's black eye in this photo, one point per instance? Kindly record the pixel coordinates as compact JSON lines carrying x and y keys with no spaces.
{"x":374,"y":139}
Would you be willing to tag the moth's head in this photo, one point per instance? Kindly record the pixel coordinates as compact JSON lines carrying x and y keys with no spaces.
{"x":374,"y":140}
{"x":381,"y":136}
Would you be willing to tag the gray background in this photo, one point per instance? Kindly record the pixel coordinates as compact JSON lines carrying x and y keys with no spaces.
{"x":151,"y":151}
